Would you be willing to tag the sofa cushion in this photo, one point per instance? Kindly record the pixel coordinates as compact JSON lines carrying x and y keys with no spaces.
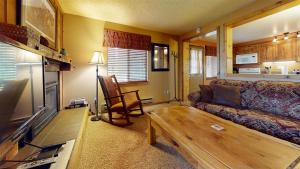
{"x":268,"y":123}
{"x":278,"y":98}
{"x":226,"y":95}
{"x":244,"y":86}
{"x":194,"y":97}
{"x":206,"y":93}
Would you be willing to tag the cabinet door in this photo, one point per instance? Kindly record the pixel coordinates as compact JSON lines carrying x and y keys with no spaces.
{"x":262,"y":53}
{"x":286,"y":50}
{"x":246,"y":49}
{"x":267,"y":52}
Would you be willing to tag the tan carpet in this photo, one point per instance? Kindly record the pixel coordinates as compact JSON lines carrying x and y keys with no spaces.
{"x":110,"y":147}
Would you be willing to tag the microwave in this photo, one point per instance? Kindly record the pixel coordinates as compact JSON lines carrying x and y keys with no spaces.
{"x":247,"y":58}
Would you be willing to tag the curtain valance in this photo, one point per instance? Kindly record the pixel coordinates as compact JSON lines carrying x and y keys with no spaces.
{"x":126,"y":40}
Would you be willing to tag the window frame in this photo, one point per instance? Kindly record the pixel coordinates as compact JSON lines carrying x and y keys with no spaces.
{"x":129,"y":83}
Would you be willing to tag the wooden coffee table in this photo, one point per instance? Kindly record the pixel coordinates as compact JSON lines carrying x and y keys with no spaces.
{"x":237,"y":147}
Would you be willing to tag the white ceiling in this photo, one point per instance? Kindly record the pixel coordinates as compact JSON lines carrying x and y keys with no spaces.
{"x":276,"y":24}
{"x":168,"y":16}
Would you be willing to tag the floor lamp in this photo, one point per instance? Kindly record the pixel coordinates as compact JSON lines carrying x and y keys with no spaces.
{"x":97,"y":59}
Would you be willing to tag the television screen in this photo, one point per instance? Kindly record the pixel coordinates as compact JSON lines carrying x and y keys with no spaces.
{"x":21,"y":88}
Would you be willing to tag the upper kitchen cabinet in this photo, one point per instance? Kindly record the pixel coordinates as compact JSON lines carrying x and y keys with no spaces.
{"x":266,"y":52}
{"x":286,"y":50}
{"x":246,"y":49}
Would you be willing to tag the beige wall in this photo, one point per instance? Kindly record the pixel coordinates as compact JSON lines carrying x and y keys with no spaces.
{"x":82,"y":36}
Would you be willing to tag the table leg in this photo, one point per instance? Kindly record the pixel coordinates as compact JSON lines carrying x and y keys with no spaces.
{"x":151,"y":133}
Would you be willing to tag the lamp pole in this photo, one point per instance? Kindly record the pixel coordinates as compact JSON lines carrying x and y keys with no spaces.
{"x":96,"y":118}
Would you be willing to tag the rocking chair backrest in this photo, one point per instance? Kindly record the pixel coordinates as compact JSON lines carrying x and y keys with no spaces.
{"x":110,"y":88}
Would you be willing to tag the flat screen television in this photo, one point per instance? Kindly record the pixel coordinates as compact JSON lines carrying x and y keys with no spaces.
{"x":21,"y":91}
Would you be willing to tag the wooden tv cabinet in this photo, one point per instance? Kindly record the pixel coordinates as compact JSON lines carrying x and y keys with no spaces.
{"x":67,"y":125}
{"x":190,"y":131}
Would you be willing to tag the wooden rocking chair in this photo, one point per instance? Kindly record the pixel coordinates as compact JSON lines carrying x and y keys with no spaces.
{"x":118,"y":102}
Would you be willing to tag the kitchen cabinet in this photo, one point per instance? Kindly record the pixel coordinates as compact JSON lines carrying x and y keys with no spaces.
{"x":247,"y":49}
{"x":266,"y":52}
{"x":283,"y":50}
{"x":286,"y":50}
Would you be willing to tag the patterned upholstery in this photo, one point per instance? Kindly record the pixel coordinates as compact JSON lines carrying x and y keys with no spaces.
{"x":270,"y":107}
{"x":280,"y":98}
{"x":283,"y":128}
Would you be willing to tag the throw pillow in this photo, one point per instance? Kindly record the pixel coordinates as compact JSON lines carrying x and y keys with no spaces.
{"x":226,"y":95}
{"x":206,"y":93}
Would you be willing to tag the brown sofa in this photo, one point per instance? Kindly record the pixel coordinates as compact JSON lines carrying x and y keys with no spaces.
{"x":269,"y":107}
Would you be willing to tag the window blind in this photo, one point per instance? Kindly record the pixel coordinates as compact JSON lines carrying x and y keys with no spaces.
{"x":8,"y":69}
{"x":129,"y":65}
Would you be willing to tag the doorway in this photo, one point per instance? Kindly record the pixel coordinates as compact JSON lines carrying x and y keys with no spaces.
{"x":196,"y":68}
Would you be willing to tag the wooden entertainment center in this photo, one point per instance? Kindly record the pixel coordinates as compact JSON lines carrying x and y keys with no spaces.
{"x":67,"y":125}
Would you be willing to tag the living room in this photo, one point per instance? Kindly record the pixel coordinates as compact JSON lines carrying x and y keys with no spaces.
{"x":149,"y":84}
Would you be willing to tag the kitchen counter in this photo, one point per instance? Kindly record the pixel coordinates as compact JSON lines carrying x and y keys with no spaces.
{"x":277,"y":77}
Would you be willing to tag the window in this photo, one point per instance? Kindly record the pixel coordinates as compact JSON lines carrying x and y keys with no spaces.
{"x":129,"y":65}
{"x":196,"y":61}
{"x":7,"y":63}
{"x":211,"y":66}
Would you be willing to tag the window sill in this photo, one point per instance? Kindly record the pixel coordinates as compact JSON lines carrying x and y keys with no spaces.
{"x":135,"y":83}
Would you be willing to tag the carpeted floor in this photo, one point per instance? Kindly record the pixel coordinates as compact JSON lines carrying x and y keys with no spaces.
{"x":110,"y":147}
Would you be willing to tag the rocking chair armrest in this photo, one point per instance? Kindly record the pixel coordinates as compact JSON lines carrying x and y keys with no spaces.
{"x":136,"y":91}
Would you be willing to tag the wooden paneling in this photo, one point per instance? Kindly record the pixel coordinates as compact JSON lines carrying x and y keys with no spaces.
{"x":11,"y":12}
{"x":186,"y":70}
{"x":8,"y":11}
{"x":2,"y":11}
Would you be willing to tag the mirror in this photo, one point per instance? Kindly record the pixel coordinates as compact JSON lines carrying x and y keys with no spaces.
{"x":160,"y":57}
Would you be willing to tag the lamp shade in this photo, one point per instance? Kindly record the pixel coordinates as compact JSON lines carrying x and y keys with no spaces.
{"x":97,"y":58}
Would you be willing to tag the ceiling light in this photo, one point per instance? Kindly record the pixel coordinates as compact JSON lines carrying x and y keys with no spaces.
{"x":286,"y":36}
{"x":298,"y":34}
{"x":275,"y":39}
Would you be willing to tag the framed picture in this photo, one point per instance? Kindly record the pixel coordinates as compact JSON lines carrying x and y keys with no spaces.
{"x":160,"y":57}
{"x":39,"y":15}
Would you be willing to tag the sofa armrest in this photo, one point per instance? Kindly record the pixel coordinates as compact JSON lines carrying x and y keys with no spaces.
{"x":194,"y":97}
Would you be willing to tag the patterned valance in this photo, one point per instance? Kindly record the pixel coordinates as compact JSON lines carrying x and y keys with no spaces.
{"x":210,"y":51}
{"x":126,"y":40}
